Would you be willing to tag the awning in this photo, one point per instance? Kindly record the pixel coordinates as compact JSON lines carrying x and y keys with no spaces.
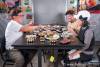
{"x":95,"y":9}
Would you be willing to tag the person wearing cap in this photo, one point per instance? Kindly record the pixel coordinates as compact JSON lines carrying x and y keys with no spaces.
{"x":14,"y":31}
{"x":85,"y":36}
{"x":71,"y":21}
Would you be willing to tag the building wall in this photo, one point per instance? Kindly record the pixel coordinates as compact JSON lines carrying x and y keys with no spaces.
{"x":49,"y":11}
{"x":98,"y":1}
{"x":95,"y":20}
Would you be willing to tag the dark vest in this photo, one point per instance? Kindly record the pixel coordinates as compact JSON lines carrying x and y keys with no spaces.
{"x":81,"y":37}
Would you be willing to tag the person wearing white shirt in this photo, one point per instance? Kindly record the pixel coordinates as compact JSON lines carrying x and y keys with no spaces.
{"x":12,"y":33}
{"x":14,"y":30}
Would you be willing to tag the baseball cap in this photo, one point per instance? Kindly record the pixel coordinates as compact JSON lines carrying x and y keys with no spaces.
{"x":83,"y":14}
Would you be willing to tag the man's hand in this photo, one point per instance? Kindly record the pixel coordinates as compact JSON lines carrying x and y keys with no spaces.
{"x":35,"y":27}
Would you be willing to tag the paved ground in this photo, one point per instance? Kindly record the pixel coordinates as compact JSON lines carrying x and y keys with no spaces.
{"x":35,"y":64}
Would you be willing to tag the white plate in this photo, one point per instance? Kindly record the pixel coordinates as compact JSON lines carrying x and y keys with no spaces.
{"x":55,"y":37}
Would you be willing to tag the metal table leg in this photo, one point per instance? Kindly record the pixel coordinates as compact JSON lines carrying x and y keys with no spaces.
{"x":56,"y":57}
{"x":39,"y":58}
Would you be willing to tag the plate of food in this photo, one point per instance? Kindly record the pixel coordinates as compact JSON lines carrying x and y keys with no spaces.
{"x":43,"y":33}
{"x":66,"y":34}
{"x":52,"y":36}
{"x":56,"y":36}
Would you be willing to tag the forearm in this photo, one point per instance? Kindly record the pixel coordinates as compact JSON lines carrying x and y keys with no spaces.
{"x":72,"y":31}
{"x":28,"y":28}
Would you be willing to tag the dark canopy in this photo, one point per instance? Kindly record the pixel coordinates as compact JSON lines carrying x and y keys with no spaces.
{"x":97,"y":7}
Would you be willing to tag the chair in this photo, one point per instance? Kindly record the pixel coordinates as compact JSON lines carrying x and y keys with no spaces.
{"x":98,"y":54}
{"x":5,"y":54}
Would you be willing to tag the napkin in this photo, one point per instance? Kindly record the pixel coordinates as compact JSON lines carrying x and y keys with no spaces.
{"x":75,"y":56}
